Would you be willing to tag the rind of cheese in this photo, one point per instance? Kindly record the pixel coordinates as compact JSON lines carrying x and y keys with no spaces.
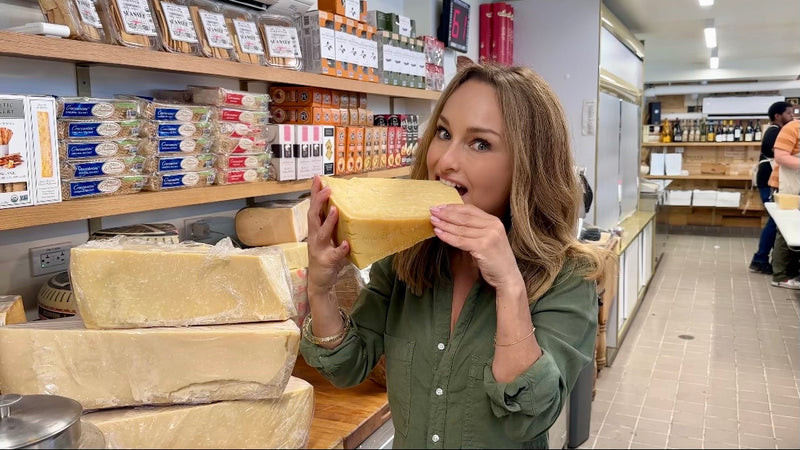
{"x":12,"y":310}
{"x":113,"y":368}
{"x":283,"y":422}
{"x":123,"y":284}
{"x":273,"y":222}
{"x":382,"y":216}
{"x":296,"y":254}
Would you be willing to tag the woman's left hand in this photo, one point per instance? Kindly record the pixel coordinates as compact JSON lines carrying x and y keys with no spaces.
{"x":468,"y":228}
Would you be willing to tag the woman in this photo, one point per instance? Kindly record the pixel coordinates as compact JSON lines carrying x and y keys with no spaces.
{"x":455,"y":314}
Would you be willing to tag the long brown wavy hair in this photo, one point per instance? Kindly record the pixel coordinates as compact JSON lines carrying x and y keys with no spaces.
{"x":545,"y":192}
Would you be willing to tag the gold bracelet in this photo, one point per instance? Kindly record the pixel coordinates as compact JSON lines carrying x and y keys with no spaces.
{"x":513,"y":343}
{"x":309,"y":336}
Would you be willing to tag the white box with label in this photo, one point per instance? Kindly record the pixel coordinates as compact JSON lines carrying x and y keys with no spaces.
{"x":44,"y":150}
{"x":280,"y":139}
{"x":16,"y":163}
{"x":302,"y":152}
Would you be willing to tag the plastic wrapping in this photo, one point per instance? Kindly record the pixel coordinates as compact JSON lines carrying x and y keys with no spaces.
{"x":242,"y":161}
{"x":176,"y":146}
{"x":239,"y":176}
{"x":217,"y":96}
{"x":177,"y":112}
{"x":178,"y":29}
{"x":214,"y":30}
{"x":179,"y":163}
{"x":246,"y":37}
{"x":239,"y":129}
{"x":284,"y":422}
{"x":82,"y":149}
{"x":90,"y":168}
{"x":245,"y":285}
{"x":161,"y":181}
{"x":89,"y":108}
{"x":105,"y":129}
{"x":172,"y":129}
{"x":79,"y":15}
{"x":138,"y":29}
{"x":239,"y":145}
{"x":282,"y":39}
{"x":380,"y":216}
{"x":101,"y":187}
{"x":114,"y":368}
{"x":243,"y":116}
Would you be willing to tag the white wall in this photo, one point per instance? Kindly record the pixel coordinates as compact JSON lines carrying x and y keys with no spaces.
{"x":560,"y":39}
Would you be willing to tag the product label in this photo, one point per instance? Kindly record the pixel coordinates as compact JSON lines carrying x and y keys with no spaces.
{"x":245,"y":145}
{"x":101,"y":110}
{"x":176,"y":129}
{"x":216,"y":29}
{"x":246,"y":162}
{"x":98,"y":168}
{"x":88,"y":13}
{"x":235,"y":130}
{"x":136,"y":17}
{"x":249,"y":40}
{"x":179,"y":22}
{"x":94,"y":187}
{"x":405,"y":26}
{"x":179,"y":114}
{"x":242,"y":176}
{"x":179,"y":180}
{"x":173,"y":164}
{"x":177,"y":145}
{"x":327,"y":38}
{"x":232,"y":98}
{"x":282,"y":42}
{"x":352,"y":9}
{"x":91,"y":149}
{"x":93,"y":129}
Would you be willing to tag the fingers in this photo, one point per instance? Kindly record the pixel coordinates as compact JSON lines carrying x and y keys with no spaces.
{"x":319,"y":196}
{"x":325,"y":233}
{"x":465,"y":215}
{"x":457,"y":230}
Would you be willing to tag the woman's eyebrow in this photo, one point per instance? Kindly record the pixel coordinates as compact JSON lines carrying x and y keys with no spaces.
{"x":446,"y":122}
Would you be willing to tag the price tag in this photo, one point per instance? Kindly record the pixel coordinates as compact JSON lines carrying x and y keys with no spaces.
{"x":216,"y":30}
{"x":249,"y":39}
{"x":88,"y":13}
{"x":136,"y":17}
{"x":282,"y":42}
{"x":179,"y":22}
{"x":405,"y":26}
{"x":352,"y":9}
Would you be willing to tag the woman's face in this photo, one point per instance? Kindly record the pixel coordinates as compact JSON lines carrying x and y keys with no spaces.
{"x":468,"y":150}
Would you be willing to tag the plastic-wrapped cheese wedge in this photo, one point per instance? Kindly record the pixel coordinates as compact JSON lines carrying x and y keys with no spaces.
{"x":296,"y":254}
{"x":382,"y":216}
{"x":273,"y":222}
{"x":279,"y":423}
{"x":113,"y":368}
{"x":125,"y":283}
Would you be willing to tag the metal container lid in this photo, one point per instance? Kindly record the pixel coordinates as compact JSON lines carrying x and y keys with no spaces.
{"x":28,"y":419}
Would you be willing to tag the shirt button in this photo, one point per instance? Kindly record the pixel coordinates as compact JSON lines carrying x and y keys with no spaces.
{"x":439,"y":391}
{"x":435,"y":438}
{"x":440,"y":346}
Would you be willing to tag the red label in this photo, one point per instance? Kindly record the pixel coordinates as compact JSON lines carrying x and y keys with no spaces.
{"x":231,"y":115}
{"x":236,"y":177}
{"x":234,"y":99}
{"x":287,"y":134}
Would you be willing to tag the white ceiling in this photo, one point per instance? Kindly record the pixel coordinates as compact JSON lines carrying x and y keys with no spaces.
{"x":757,"y":39}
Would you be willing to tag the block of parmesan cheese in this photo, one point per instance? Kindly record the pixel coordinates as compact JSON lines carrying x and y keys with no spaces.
{"x":296,"y":254}
{"x":283,"y":422}
{"x":112,"y":368}
{"x":11,"y":310}
{"x":273,"y":222}
{"x":382,"y":216}
{"x":124,"y":283}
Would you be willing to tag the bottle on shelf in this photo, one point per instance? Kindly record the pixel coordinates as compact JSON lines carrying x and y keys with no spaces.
{"x":677,"y":133}
{"x":685,"y":132}
{"x":696,"y":131}
{"x":666,"y":132}
{"x":720,"y":132}
{"x":729,"y":132}
{"x":757,"y":132}
{"x":711,"y":135}
{"x":748,"y":132}
{"x":737,"y":132}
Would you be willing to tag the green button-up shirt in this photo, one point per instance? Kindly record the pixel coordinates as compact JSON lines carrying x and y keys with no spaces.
{"x":441,"y":390}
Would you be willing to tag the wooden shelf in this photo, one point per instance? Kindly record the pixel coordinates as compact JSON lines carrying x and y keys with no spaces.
{"x":53,"y":49}
{"x":699,"y":177}
{"x":702,"y":144}
{"x":89,"y":208}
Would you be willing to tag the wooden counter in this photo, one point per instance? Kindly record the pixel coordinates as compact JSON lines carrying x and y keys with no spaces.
{"x":343,"y":418}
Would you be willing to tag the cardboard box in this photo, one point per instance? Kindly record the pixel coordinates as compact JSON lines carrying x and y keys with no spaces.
{"x":362,"y":117}
{"x":304,"y":163}
{"x":353,"y":117}
{"x":340,"y":156}
{"x":384,"y":154}
{"x":16,"y":160}
{"x":352,"y":147}
{"x":328,"y":150}
{"x":336,"y":116}
{"x":344,"y":99}
{"x":356,"y":10}
{"x":319,"y":42}
{"x":298,"y":115}
{"x":44,"y":150}
{"x":282,"y":165}
{"x":317,"y":149}
{"x":368,"y":53}
{"x":368,"y":131}
{"x":345,"y":30}
{"x":376,"y":147}
{"x":335,"y":99}
{"x":360,"y":131}
{"x":344,"y":117}
{"x":391,"y":149}
{"x":362,"y":100}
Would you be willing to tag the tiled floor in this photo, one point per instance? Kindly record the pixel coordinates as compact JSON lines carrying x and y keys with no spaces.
{"x":733,"y":385}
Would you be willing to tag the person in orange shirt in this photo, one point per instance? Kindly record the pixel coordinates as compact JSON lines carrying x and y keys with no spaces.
{"x":785,"y":262}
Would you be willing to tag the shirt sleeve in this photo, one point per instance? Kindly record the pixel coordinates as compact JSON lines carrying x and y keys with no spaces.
{"x":788,"y":137}
{"x":566,"y":327}
{"x":350,"y":363}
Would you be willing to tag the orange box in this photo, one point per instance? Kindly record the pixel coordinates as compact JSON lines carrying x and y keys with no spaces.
{"x":335,"y":98}
{"x":368,"y":137}
{"x":362,"y":117}
{"x":336,"y":116}
{"x":327,"y":116}
{"x":283,"y":95}
{"x":340,"y":156}
{"x":362,"y":100}
{"x":352,"y":148}
{"x":319,"y":52}
{"x":344,"y":116}
{"x":338,"y":7}
{"x":360,"y":131}
{"x":353,"y":99}
{"x":344,"y":99}
{"x":384,"y":147}
{"x":370,"y":67}
{"x":370,"y":117}
{"x":376,"y":148}
{"x":353,"y":116}
{"x":300,"y":115}
{"x":390,"y":146}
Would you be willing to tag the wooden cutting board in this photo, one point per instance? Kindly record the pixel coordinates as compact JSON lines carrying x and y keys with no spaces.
{"x":343,"y":418}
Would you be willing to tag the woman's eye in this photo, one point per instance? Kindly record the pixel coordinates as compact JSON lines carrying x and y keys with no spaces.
{"x":481,"y":145}
{"x":441,"y":133}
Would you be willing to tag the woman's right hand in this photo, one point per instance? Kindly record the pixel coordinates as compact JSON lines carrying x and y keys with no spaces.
{"x":325,"y":259}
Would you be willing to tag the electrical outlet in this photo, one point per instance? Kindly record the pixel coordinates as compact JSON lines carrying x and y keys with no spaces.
{"x":50,"y":258}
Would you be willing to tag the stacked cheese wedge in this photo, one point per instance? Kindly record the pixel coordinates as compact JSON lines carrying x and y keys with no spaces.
{"x":200,"y":334}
